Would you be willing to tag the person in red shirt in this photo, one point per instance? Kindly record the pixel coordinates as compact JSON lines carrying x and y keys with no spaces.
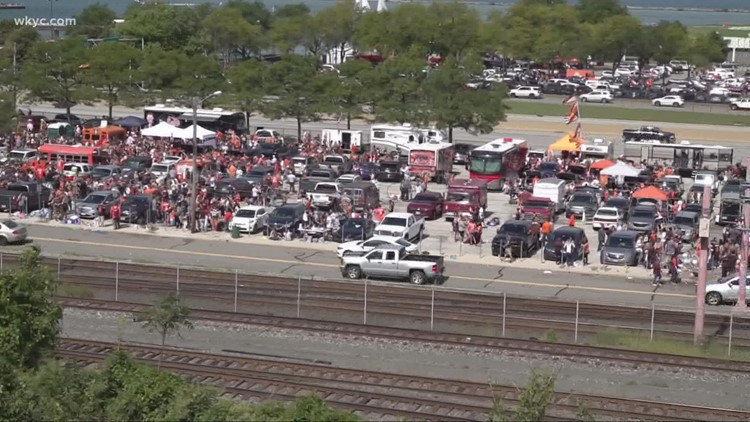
{"x":227,"y":218}
{"x":572,"y":221}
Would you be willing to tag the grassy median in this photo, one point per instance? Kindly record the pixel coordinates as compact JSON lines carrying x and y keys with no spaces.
{"x":730,"y":118}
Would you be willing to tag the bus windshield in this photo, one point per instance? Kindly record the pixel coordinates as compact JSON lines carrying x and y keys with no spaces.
{"x":486,"y":165}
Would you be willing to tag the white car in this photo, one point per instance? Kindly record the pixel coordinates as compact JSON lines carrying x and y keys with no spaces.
{"x":345,"y":179}
{"x":669,"y":100}
{"x":526,"y":92}
{"x":161,"y":169}
{"x":76,"y":169}
{"x":250,"y":219}
{"x":624,"y":71}
{"x":607,"y":217}
{"x":362,"y":246}
{"x":607,"y":74}
{"x":598,"y":96}
{"x":726,"y":291}
{"x":171,"y":159}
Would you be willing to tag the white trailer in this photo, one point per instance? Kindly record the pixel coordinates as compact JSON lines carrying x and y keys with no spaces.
{"x":347,"y":139}
{"x":553,"y":189}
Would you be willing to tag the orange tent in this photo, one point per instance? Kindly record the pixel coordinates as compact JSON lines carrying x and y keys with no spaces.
{"x":651,"y":192}
{"x":566,"y":143}
{"x":601,"y":165}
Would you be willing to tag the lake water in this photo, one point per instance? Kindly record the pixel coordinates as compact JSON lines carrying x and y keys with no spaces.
{"x":709,"y":15}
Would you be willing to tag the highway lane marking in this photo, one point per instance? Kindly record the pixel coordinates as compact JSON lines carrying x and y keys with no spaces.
{"x":320,"y":264}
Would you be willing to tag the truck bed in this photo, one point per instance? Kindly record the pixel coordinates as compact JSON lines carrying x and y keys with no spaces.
{"x":423,"y":258}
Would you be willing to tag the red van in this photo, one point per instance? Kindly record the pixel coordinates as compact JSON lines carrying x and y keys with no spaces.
{"x":465,"y":197}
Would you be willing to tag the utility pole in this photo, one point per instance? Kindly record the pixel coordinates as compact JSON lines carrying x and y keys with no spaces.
{"x":197,"y":102}
{"x":700,"y":293}
{"x":742,"y":293}
{"x":15,"y":86}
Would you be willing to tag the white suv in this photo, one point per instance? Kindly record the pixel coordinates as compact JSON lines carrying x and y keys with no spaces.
{"x":669,"y":100}
{"x":526,"y":92}
{"x":597,"y":96}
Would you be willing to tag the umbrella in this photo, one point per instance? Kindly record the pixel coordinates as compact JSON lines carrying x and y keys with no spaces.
{"x":601,"y":165}
{"x":622,"y":170}
{"x":650,"y":192}
{"x":130,"y":121}
{"x":566,"y":143}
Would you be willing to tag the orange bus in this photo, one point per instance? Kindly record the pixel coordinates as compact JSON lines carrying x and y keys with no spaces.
{"x":103,"y":136}
{"x":72,"y":154}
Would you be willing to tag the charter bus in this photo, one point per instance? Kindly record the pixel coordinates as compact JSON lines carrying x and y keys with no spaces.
{"x":215,"y":119}
{"x":72,"y":154}
{"x":497,"y":160}
{"x":684,"y":156}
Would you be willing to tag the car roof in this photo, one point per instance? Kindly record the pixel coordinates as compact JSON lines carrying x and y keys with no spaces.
{"x":359,"y":184}
{"x":691,"y":214}
{"x":625,"y":233}
{"x":100,"y":192}
{"x":568,"y":230}
{"x":107,"y":166}
{"x":252,"y":207}
{"x":287,"y":206}
{"x":262,"y":168}
{"x":399,"y":215}
{"x":527,"y":223}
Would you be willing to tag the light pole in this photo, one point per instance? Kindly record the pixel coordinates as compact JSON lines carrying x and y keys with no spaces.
{"x":197,"y":102}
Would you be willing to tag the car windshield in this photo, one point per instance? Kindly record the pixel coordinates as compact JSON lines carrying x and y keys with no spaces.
{"x":159,"y":168}
{"x":620,"y":242}
{"x":548,"y":166}
{"x":325,"y":189}
{"x":513,"y":229}
{"x":731,"y":188}
{"x":257,"y":173}
{"x":283,"y":213}
{"x":299,"y":161}
{"x":95,"y":199}
{"x":582,"y":199}
{"x":683,"y":221}
{"x":101,"y":172}
{"x":607,"y":212}
{"x":333,"y":160}
{"x":617,"y":203}
{"x":245,"y":213}
{"x":320,"y":174}
{"x":16,"y":155}
{"x":10,"y":224}
{"x":458,"y":197}
{"x":354,"y":224}
{"x":536,"y":204}
{"x":394,"y":221}
{"x":390,"y":166}
{"x":140,"y":201}
{"x":421,"y":197}
{"x":133,"y":164}
{"x":403,"y":242}
{"x":644,"y":213}
{"x":72,"y":167}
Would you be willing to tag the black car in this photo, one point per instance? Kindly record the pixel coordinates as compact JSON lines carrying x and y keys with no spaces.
{"x":389,"y":171}
{"x":548,"y":169}
{"x":522,"y":236}
{"x":354,"y":229}
{"x":234,"y":185}
{"x":285,"y":217}
{"x":559,"y":236}
{"x":258,"y":175}
{"x":68,"y":118}
{"x":138,"y":164}
{"x":137,"y":209}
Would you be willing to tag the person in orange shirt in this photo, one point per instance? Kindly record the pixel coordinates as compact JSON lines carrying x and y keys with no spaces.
{"x":546,"y":230}
{"x":232,"y":170}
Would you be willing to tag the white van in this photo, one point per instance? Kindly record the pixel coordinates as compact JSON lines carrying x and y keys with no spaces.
{"x":553,"y":189}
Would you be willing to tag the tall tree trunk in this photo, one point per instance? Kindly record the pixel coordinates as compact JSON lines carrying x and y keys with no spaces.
{"x":299,"y":128}
{"x":348,"y":121}
{"x":111,"y":104}
{"x":450,"y":134}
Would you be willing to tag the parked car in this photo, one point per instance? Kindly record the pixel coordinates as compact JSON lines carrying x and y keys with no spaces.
{"x":622,"y":204}
{"x":620,"y":249}
{"x":669,"y":100}
{"x":644,"y":218}
{"x":138,"y":164}
{"x":258,"y":175}
{"x":105,"y":172}
{"x":232,"y":186}
{"x":427,"y":204}
{"x":346,"y":179}
{"x":526,"y":92}
{"x":461,"y":153}
{"x":285,"y":217}
{"x":71,"y":170}
{"x":608,"y":217}
{"x":581,"y":203}
{"x":519,"y":235}
{"x":88,"y":207}
{"x":389,"y":171}
{"x":360,"y":247}
{"x":250,"y":219}
{"x":597,"y":96}
{"x":562,"y":234}
{"x":367,"y":170}
{"x":12,"y":232}
{"x":352,"y":229}
{"x":394,"y":262}
{"x":400,"y":224}
{"x":687,"y":222}
{"x":726,"y":291}
{"x":137,"y":209}
{"x":161,"y":169}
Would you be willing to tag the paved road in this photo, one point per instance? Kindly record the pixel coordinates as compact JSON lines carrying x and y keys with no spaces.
{"x":274,"y":258}
{"x":644,"y":104}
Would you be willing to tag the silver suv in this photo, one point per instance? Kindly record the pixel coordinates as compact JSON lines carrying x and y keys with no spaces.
{"x":726,"y":291}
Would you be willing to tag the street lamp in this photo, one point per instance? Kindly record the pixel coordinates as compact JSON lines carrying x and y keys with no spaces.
{"x":197,"y":102}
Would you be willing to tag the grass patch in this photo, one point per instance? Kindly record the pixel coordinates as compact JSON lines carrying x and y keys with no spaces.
{"x":550,"y":336}
{"x":78,"y":292}
{"x":724,"y":32}
{"x":641,"y":342}
{"x":593,"y":111}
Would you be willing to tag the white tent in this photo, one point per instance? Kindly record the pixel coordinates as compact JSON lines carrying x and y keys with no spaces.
{"x":621,"y":169}
{"x":363,"y":4}
{"x":163,"y":130}
{"x":203,"y":133}
{"x":382,"y":6}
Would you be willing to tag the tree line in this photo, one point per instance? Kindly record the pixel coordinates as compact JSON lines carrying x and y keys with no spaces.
{"x":162,"y":51}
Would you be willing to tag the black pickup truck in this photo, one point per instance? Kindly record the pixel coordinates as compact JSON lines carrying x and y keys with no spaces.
{"x":520,"y":237}
{"x":35,"y":196}
{"x":307,"y":184}
{"x":648,"y":133}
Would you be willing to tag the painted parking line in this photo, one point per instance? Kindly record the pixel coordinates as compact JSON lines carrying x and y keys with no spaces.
{"x":324,"y":265}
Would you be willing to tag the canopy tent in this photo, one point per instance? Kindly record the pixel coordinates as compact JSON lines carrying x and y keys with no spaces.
{"x":164,"y":130}
{"x":130,"y":121}
{"x":601,"y":165}
{"x":621,"y":170}
{"x":566,"y":143}
{"x":381,"y":6}
{"x":202,"y":133}
{"x":650,"y":192}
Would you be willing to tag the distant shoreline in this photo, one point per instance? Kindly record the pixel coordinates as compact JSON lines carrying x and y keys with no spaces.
{"x":676,"y":9}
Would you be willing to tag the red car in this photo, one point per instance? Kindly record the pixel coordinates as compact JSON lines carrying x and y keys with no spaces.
{"x":542,"y":208}
{"x":427,"y":204}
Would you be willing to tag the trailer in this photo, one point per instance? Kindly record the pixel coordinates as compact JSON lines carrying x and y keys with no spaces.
{"x":435,"y":160}
{"x":348,"y":140}
{"x":684,"y":157}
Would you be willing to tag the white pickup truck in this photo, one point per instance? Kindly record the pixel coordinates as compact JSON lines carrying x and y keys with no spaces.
{"x":325,"y":194}
{"x":401,"y":224}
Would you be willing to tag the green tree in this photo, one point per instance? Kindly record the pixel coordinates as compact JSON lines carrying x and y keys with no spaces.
{"x":534,"y":399}
{"x":162,"y":70}
{"x":348,"y":91}
{"x":29,"y":315}
{"x":457,"y":29}
{"x":668,"y":39}
{"x":6,"y":27}
{"x":171,"y":28}
{"x":95,"y":21}
{"x":542,"y":33}
{"x":54,"y":72}
{"x":616,"y":37}
{"x":232,"y":34}
{"x":299,"y":30}
{"x":20,"y":42}
{"x":109,"y":70}
{"x":248,"y":85}
{"x":397,"y":90}
{"x":338,"y":24}
{"x":452,"y":105}
{"x":597,"y":11}
{"x":296,"y":84}
{"x":168,"y":316}
{"x":705,"y":49}
{"x":492,"y":34}
{"x":7,"y":113}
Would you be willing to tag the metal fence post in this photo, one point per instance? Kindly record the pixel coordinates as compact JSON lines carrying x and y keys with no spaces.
{"x":178,"y":280}
{"x":504,"y":302}
{"x":365,"y":305}
{"x":432,"y":310}
{"x":440,"y":251}
{"x":575,"y":338}
{"x":731,"y":325}
{"x":117,"y":281}
{"x":236,"y":286}
{"x":299,"y":294}
{"x":1,"y":262}
{"x":652,"y":322}
{"x":59,"y":265}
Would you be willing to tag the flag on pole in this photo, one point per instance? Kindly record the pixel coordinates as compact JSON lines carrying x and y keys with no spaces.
{"x":573,"y":99}
{"x":573,"y":115}
{"x":577,"y":135}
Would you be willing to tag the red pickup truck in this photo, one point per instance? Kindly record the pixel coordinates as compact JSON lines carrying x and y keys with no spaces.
{"x":541,"y":208}
{"x":465,"y":197}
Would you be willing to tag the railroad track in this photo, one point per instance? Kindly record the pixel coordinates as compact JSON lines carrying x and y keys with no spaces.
{"x":470,"y":313}
{"x":578,"y":353}
{"x":374,"y":395}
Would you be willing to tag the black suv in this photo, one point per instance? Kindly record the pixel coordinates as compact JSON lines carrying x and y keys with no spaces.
{"x":137,"y":209}
{"x":522,"y":236}
{"x":285,"y":217}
